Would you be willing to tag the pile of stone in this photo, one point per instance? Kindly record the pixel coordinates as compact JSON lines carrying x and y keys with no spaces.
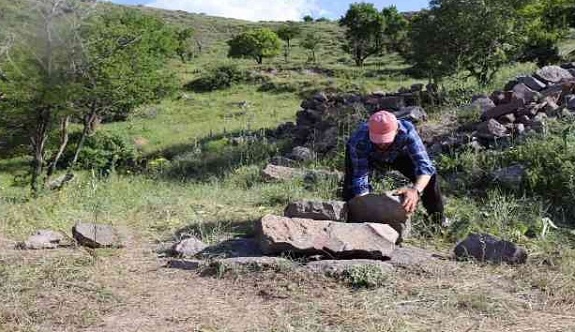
{"x":526,"y":103}
{"x":84,"y":234}
{"x":324,"y":116}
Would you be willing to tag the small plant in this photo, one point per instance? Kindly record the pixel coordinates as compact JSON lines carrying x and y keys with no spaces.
{"x":218,"y":78}
{"x":364,"y":276}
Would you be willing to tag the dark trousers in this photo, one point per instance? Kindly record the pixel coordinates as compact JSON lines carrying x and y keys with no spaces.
{"x":431,"y":197}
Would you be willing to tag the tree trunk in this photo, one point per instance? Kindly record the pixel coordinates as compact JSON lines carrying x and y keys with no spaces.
{"x":38,"y":142}
{"x":88,"y":119}
{"x":63,"y":144}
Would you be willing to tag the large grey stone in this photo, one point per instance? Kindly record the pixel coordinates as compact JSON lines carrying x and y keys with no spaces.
{"x":553,"y":74}
{"x":96,"y":235}
{"x":279,"y":235}
{"x":318,"y":210}
{"x":487,"y":248}
{"x":533,"y":83}
{"x":570,"y":102}
{"x":385,"y":209}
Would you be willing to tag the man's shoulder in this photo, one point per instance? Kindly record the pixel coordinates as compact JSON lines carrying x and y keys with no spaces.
{"x":360,"y":137}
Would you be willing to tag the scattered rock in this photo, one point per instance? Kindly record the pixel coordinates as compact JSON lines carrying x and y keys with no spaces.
{"x":240,"y":247}
{"x":487,"y":248}
{"x":96,"y":235}
{"x":188,"y":247}
{"x":483,"y":103}
{"x":61,"y":181}
{"x":553,"y":74}
{"x":316,"y":237}
{"x":318,"y":210}
{"x":570,"y":102}
{"x":524,"y":93}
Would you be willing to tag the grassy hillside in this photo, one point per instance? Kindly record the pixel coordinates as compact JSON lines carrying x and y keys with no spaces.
{"x":199,"y":182}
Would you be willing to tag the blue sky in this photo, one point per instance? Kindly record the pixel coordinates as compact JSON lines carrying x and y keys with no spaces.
{"x":273,"y":10}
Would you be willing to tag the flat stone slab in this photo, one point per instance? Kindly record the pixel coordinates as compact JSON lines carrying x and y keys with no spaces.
{"x":553,"y":74}
{"x":279,"y":173}
{"x":308,"y":237}
{"x":96,"y":235}
{"x":43,"y":239}
{"x":318,"y":210}
{"x":384,"y":209}
{"x":188,"y":247}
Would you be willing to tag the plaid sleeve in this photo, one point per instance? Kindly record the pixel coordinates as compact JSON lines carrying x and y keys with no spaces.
{"x":418,"y":153}
{"x":359,"y":152}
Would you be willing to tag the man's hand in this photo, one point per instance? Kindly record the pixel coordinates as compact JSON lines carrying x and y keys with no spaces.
{"x":410,"y":198}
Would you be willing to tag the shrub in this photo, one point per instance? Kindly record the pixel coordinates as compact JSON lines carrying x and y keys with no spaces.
{"x":103,"y":151}
{"x":218,"y":78}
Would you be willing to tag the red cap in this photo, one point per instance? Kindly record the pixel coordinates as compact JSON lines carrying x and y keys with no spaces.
{"x":382,"y":127}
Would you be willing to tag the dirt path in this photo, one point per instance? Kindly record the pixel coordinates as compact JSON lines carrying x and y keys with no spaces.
{"x":129,"y":290}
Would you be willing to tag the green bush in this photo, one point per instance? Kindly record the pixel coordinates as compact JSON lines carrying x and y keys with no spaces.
{"x":103,"y":152}
{"x":218,"y":78}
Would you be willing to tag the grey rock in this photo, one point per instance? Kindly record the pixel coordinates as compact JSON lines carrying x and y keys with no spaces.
{"x":411,"y":257}
{"x":510,"y":176}
{"x":568,"y":65}
{"x":279,"y":235}
{"x":301,"y":153}
{"x":572,"y":71}
{"x":503,"y":109}
{"x":275,"y":173}
{"x":417,"y":87}
{"x":61,"y":181}
{"x":523,"y":92}
{"x":483,"y":103}
{"x":414,"y":114}
{"x":43,"y":239}
{"x":96,"y":235}
{"x":314,"y":176}
{"x":533,"y":83}
{"x":491,"y":129}
{"x":384,"y":209}
{"x":189,"y":265}
{"x":540,"y":117}
{"x":519,"y":128}
{"x":239,"y":247}
{"x":487,"y":248}
{"x":553,"y":74}
{"x":318,"y":210}
{"x":507,"y":118}
{"x":188,"y":247}
{"x":321,"y":97}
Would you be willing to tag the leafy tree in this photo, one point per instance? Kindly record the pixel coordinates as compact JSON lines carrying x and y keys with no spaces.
{"x":478,"y":36}
{"x":69,"y":60}
{"x":184,"y":48}
{"x":287,"y":33}
{"x":311,"y":42}
{"x":365,"y":27}
{"x":395,"y":27}
{"x":308,"y":18}
{"x":256,"y":44}
{"x":323,"y":19}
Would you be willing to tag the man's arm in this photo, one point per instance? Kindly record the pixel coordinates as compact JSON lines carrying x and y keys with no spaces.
{"x":359,"y":169}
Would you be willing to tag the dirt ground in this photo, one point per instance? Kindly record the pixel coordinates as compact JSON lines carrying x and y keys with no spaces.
{"x":129,"y":289}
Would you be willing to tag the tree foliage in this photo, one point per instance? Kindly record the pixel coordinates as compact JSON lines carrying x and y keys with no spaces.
{"x":255,"y":44}
{"x":395,"y":28}
{"x":478,"y":36}
{"x":288,"y":32}
{"x":312,"y":43}
{"x":365,"y":28}
{"x":184,"y":43}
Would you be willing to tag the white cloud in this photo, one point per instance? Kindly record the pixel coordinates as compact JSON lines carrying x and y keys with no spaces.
{"x":252,"y":10}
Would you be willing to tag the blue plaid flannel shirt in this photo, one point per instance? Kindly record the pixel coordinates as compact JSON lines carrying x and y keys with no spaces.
{"x":360,"y":149}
